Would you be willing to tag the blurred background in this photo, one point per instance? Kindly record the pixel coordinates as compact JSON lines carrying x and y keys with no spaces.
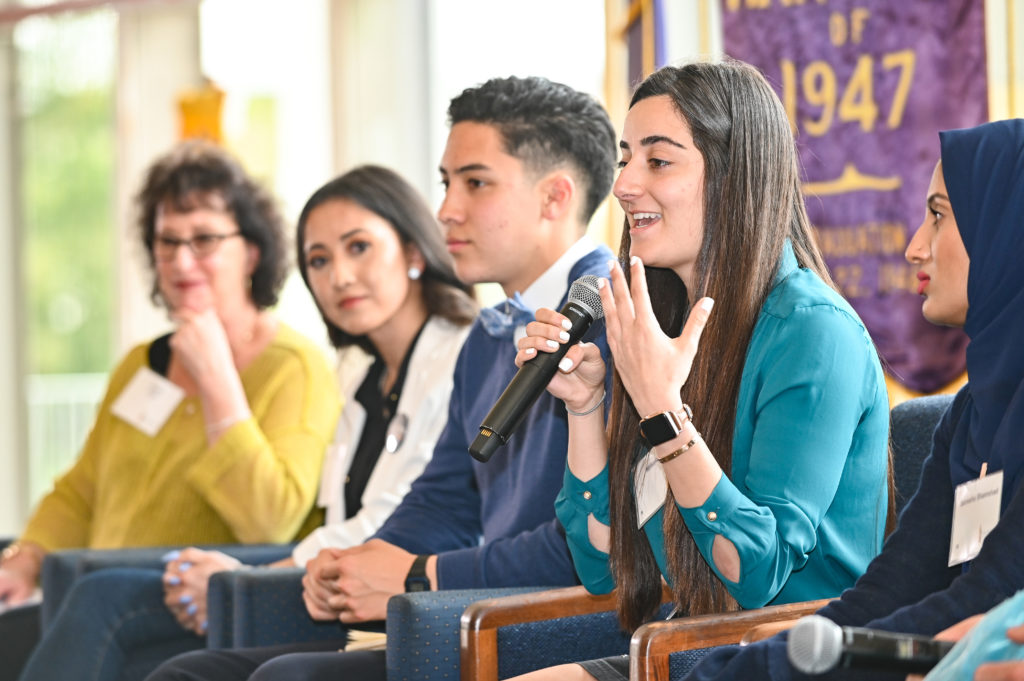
{"x":300,"y":90}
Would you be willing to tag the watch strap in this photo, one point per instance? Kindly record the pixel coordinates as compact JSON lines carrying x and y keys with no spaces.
{"x":659,"y":428}
{"x":417,"y":579}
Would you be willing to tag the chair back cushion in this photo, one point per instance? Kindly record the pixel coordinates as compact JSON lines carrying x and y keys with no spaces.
{"x":913,"y":423}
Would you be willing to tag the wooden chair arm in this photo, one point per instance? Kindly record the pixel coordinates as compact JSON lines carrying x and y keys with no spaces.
{"x":651,"y":645}
{"x":481,"y":620}
{"x":763,"y":631}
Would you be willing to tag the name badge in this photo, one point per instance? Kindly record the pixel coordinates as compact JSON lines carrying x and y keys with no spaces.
{"x":649,"y":488}
{"x":147,"y":401}
{"x":975,"y":513}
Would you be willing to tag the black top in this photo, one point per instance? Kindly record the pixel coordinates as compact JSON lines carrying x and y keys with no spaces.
{"x":380,"y":412}
{"x":159,"y":354}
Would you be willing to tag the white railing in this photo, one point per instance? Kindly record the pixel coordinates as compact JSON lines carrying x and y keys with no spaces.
{"x":61,"y":409}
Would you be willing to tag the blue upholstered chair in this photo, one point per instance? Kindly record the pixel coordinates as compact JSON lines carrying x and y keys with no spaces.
{"x":912,"y":425}
{"x":62,"y":568}
{"x":258,"y":607}
{"x":497,"y":634}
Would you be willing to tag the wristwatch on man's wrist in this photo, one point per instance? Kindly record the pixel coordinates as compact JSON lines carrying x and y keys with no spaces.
{"x":417,"y":579}
{"x":658,"y":429}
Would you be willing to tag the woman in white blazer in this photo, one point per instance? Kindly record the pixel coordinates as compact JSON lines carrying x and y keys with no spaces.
{"x":373,"y":256}
{"x":421,"y":414}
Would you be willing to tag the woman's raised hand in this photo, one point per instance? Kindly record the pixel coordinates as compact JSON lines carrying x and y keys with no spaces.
{"x":652,"y":366}
{"x":201,"y":343}
{"x":580,"y":379}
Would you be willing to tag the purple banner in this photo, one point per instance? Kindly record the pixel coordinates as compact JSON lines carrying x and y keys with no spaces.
{"x":867,"y":85}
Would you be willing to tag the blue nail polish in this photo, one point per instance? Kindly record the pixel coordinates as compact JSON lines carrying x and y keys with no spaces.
{"x":171,"y":555}
{"x":184,"y":565}
{"x":185,"y":599}
{"x":192,"y":609}
{"x":174,"y":580}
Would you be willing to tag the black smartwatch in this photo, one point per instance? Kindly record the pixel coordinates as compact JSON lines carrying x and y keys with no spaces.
{"x":658,"y":429}
{"x":417,"y":579}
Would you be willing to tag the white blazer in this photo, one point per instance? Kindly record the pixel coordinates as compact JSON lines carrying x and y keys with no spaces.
{"x":424,"y":401}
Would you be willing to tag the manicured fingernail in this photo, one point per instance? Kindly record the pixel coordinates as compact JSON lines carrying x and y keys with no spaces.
{"x":552,"y":344}
{"x":706,"y":304}
{"x":185,"y":599}
{"x":530,"y":351}
{"x":611,"y":265}
{"x":634,"y":261}
{"x":174,"y":580}
{"x":184,"y":565}
{"x":600,"y":284}
{"x":564,"y":335}
{"x":565,"y":364}
{"x":171,"y":555}
{"x":566,"y":324}
{"x":192,"y":609}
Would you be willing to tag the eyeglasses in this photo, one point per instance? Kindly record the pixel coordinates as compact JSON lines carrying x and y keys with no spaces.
{"x":201,"y":245}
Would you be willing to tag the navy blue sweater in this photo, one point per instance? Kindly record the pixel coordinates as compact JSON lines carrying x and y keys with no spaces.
{"x":493,"y":524}
{"x":908,"y":587}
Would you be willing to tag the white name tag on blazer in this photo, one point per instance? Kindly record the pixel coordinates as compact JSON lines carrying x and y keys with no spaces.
{"x":975,"y":513}
{"x":147,"y":401}
{"x":649,"y":488}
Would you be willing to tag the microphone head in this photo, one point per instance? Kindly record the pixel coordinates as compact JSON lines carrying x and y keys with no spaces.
{"x":815,"y":644}
{"x":583,"y":292}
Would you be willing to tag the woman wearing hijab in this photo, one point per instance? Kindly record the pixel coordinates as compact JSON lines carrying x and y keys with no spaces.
{"x":967,"y":251}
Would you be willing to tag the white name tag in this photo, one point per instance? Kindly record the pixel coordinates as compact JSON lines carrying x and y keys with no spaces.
{"x":649,"y":488}
{"x":147,"y":401}
{"x":975,"y":513}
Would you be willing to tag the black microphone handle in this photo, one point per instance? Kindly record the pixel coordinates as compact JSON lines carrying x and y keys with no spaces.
{"x":883,"y":651}
{"x":525,"y":387}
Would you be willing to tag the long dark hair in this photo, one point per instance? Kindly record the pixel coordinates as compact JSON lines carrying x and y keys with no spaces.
{"x":384,"y":193}
{"x":752,"y":205}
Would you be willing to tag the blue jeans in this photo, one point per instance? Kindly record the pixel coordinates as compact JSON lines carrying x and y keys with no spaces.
{"x":112,"y":626}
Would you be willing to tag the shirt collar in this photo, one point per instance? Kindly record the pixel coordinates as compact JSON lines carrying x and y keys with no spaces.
{"x":787,"y":263}
{"x":549,"y":288}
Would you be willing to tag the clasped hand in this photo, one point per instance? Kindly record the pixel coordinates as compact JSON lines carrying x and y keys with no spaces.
{"x":354,"y":585}
{"x":186,"y":576}
{"x":652,"y":366}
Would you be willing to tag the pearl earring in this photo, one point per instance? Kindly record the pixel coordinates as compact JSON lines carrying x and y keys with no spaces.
{"x":415,"y":273}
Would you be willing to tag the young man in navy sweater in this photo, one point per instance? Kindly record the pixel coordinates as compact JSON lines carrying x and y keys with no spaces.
{"x":526,"y":165}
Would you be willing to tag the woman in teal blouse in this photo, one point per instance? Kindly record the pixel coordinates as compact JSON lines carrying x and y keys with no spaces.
{"x":784,"y":497}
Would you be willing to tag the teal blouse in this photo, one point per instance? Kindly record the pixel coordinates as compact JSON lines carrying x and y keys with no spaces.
{"x":806,"y":502}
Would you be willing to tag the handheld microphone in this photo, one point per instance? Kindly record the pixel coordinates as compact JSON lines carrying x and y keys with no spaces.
{"x":582,"y":309}
{"x":817,"y":645}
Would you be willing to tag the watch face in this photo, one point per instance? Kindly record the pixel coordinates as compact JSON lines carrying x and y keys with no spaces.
{"x":659,"y":428}
{"x":417,"y":584}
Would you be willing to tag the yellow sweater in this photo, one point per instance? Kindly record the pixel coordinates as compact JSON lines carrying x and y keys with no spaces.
{"x":256,"y":484}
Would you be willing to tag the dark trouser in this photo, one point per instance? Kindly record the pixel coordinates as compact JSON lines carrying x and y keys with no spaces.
{"x":19,"y":633}
{"x":317,"y":661}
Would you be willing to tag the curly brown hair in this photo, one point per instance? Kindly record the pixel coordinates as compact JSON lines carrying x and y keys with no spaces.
{"x":197,"y":174}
